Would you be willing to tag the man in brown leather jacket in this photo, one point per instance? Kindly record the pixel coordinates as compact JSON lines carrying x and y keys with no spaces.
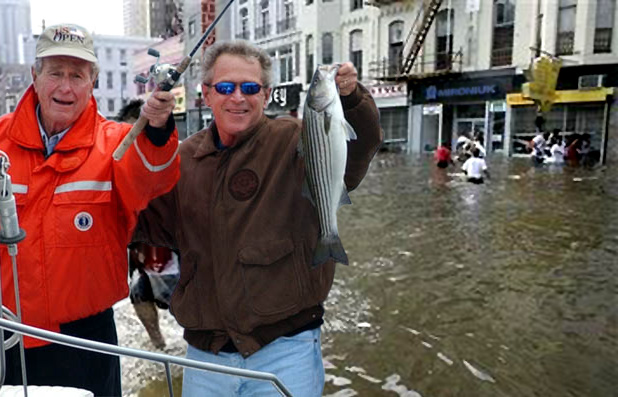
{"x":248,"y":296}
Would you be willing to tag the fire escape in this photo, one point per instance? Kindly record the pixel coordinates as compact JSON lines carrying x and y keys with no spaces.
{"x":412,"y":45}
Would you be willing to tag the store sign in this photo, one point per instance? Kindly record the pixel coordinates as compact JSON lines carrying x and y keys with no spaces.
{"x":432,"y":93}
{"x":462,"y":90}
{"x":284,"y":98}
{"x":389,"y":90}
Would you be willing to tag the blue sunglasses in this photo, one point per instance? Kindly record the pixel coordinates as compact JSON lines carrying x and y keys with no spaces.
{"x":228,"y":88}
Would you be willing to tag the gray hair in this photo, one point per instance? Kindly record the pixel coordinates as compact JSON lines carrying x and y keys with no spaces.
{"x":94,"y":68}
{"x":240,"y":48}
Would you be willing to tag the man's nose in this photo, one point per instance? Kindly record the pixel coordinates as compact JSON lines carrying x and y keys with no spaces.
{"x":237,"y":95}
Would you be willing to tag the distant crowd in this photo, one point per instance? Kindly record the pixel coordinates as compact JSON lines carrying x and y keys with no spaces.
{"x":546,"y":148}
{"x":553,"y":148}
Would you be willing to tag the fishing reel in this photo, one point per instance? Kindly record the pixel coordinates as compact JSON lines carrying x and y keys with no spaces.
{"x":164,"y":75}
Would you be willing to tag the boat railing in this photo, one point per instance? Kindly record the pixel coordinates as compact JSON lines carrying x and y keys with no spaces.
{"x":167,"y":360}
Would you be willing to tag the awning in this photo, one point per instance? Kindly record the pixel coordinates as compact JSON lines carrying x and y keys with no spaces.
{"x":565,"y":96}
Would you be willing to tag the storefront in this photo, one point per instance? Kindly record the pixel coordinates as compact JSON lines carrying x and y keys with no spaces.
{"x":392,"y":100}
{"x":583,"y":105}
{"x":463,"y":103}
{"x":284,"y":101}
{"x":574,"y":112}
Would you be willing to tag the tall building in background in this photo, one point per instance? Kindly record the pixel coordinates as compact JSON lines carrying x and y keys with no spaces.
{"x":165,"y":18}
{"x":136,"y":18}
{"x":15,"y":30}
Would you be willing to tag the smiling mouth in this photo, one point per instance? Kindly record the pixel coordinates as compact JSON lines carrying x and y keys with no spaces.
{"x":64,"y":103}
{"x":238,"y":112}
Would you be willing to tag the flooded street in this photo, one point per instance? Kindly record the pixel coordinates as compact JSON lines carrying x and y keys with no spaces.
{"x":503,"y":289}
{"x":454,"y":289}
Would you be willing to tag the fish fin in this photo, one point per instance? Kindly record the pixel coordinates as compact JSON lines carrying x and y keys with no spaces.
{"x":331,"y":248}
{"x":350,"y":133}
{"x":344,"y":199}
{"x":307,"y":193}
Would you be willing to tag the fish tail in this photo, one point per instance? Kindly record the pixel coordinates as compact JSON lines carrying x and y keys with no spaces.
{"x":329,"y":248}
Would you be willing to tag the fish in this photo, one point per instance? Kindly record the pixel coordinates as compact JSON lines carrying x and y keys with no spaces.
{"x":323,"y":146}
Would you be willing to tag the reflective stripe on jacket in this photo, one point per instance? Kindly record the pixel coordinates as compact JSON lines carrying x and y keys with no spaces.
{"x":78,"y":208}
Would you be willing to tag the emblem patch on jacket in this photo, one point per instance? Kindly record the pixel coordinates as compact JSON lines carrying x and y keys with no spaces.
{"x":243,"y":184}
{"x":83,"y":221}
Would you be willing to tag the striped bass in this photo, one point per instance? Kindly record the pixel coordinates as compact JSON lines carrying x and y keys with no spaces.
{"x":324,"y":148}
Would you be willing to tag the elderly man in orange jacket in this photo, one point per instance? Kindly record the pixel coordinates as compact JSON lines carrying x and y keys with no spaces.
{"x":78,"y":207}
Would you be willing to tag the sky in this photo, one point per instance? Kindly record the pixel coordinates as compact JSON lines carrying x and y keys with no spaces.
{"x":98,"y":16}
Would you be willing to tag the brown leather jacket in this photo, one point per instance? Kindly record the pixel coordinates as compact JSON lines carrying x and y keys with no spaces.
{"x":245,"y":233}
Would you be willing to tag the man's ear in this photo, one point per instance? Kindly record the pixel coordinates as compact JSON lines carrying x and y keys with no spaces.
{"x":267,"y":93}
{"x":206,"y":95}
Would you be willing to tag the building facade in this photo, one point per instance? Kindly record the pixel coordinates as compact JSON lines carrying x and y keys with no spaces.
{"x":468,"y":76}
{"x":136,"y":18}
{"x":117,"y":63}
{"x":15,"y":30}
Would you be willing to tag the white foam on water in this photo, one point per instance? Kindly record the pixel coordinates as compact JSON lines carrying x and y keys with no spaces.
{"x":444,"y":358}
{"x":343,"y":393}
{"x":478,"y":373}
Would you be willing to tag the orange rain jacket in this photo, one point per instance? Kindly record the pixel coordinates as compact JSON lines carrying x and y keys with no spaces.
{"x":78,"y":208}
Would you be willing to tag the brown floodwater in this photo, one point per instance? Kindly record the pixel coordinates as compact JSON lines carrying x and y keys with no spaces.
{"x":503,"y":289}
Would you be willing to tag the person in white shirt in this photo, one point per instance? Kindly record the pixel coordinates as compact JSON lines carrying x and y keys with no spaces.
{"x":538,"y":146}
{"x":557,"y":151}
{"x":475,"y":167}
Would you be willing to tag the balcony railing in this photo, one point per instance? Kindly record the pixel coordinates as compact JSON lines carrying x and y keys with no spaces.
{"x":564,"y":43}
{"x":602,"y":40}
{"x":286,"y":24}
{"x":501,"y":56}
{"x":262,"y":31}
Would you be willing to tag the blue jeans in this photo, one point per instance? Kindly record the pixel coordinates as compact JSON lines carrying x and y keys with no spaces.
{"x":296,"y":361}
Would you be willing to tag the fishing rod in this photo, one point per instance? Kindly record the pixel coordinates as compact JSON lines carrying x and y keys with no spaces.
{"x":166,"y":76}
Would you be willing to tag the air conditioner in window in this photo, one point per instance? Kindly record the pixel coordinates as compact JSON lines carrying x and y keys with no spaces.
{"x":591,"y":81}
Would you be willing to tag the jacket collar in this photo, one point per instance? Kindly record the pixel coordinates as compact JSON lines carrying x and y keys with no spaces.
{"x":24,"y":129}
{"x":208,"y":146}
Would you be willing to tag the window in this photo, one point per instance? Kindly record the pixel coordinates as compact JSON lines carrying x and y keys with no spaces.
{"x":308,"y":2}
{"x":504,"y":23}
{"x":263,"y":28}
{"x":285,"y":65}
{"x":327,"y":48}
{"x":191,"y":28}
{"x":123,"y":56}
{"x":444,"y":39}
{"x":395,"y":46}
{"x":356,"y":51}
{"x":123,"y":80}
{"x":356,"y":4}
{"x":567,"y":9}
{"x":309,"y":58}
{"x":287,"y":19}
{"x":244,"y":24}
{"x":108,"y":54}
{"x":110,"y":105}
{"x":110,"y":80}
{"x":96,"y":83}
{"x":604,"y":26}
{"x":570,"y":118}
